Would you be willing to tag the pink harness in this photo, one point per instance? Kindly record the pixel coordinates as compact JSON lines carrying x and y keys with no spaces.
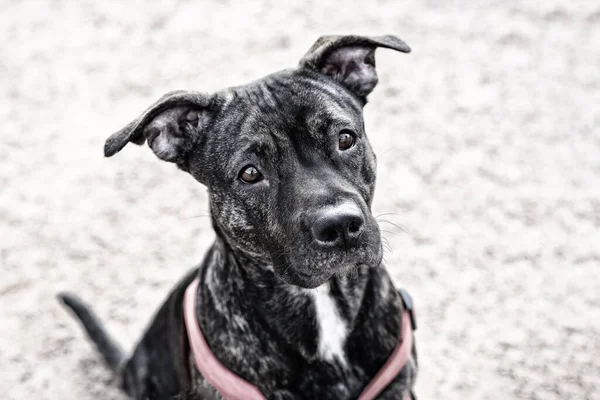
{"x":232,"y":387}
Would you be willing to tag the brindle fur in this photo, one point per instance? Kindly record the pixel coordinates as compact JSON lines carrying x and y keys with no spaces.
{"x":255,"y":305}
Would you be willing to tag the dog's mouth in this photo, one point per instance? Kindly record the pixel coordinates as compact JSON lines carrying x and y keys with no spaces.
{"x":315,"y":268}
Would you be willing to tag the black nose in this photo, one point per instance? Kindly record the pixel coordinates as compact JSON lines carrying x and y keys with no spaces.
{"x":338,"y":226}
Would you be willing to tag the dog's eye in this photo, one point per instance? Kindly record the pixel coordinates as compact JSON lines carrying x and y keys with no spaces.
{"x":346,"y":139}
{"x":249,"y":174}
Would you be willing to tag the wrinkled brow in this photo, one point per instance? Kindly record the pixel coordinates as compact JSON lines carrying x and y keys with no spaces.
{"x":250,"y":150}
{"x":320,"y":122}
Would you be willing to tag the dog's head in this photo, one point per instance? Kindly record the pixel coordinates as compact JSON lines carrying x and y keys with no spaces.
{"x":286,"y":159}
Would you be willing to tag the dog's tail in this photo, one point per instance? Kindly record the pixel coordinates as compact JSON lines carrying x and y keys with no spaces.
{"x":111,"y":352}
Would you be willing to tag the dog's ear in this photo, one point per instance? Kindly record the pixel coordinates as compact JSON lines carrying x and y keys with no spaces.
{"x":171,"y":126}
{"x":350,"y":60}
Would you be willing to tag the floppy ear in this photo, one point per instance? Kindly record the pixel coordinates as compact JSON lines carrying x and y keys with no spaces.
{"x":171,"y":126}
{"x":350,"y":60}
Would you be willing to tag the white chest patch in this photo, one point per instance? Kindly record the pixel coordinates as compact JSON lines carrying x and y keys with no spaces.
{"x":332,"y":328}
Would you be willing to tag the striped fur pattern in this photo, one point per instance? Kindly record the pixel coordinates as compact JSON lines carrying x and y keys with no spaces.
{"x":295,"y":319}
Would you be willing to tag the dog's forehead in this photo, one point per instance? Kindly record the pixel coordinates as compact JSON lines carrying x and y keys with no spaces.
{"x":289,"y":101}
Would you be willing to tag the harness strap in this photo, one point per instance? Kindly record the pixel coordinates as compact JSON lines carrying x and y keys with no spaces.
{"x":394,"y":364}
{"x":228,"y":384}
{"x":232,"y":387}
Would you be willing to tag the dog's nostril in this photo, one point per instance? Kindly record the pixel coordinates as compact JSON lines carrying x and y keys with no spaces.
{"x":354,"y":226}
{"x":327,"y":231}
{"x":328,"y":235}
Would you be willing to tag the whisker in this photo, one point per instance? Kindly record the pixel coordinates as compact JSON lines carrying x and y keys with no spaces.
{"x":199,"y":216}
{"x":385,"y":248}
{"x":387,"y":242}
{"x":391,"y":223}
{"x":390,"y":232}
{"x":388,"y":213}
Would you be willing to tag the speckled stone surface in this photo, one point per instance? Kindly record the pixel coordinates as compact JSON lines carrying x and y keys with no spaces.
{"x":488,"y":137}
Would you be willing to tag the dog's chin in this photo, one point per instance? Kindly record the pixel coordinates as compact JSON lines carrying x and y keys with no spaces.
{"x":310,"y":279}
{"x":306,"y":281}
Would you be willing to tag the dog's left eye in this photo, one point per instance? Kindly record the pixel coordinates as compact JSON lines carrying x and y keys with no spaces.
{"x":249,"y":174}
{"x":346,"y":139}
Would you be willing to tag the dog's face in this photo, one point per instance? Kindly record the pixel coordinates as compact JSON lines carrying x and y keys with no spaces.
{"x":286,"y":160}
{"x":291,"y":176}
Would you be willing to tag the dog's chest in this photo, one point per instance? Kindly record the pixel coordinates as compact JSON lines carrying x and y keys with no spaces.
{"x":337,"y":359}
{"x":332,"y":329}
{"x":286,"y":377}
{"x":315,"y":380}
{"x":294,"y":343}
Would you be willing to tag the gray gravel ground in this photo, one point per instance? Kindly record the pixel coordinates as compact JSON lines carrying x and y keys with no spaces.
{"x":489,"y":147}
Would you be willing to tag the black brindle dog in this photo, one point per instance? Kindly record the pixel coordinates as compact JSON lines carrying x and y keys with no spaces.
{"x":292,"y":297}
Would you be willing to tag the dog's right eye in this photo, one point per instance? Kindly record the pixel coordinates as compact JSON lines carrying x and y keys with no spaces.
{"x":346,"y":139}
{"x":249,"y":174}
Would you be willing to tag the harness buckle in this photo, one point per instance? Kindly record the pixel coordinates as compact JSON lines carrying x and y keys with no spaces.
{"x":409,"y":305}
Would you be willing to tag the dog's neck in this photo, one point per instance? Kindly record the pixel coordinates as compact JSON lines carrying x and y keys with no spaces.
{"x":341,"y":332}
{"x":316,"y":322}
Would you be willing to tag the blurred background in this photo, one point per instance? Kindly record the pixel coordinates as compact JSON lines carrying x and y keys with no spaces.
{"x":489,"y":160}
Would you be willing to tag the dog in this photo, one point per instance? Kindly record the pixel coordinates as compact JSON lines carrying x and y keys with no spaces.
{"x":292,"y":298}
